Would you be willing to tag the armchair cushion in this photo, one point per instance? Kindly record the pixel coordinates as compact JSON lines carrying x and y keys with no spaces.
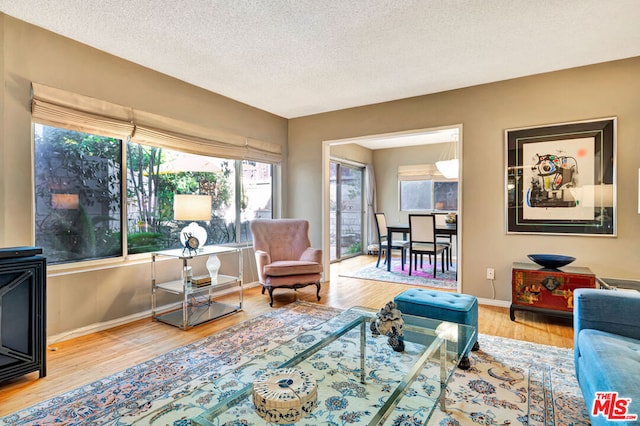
{"x":292,"y":267}
{"x":292,"y":281}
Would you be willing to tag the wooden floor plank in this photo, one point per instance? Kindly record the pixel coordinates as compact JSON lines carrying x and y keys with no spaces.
{"x":82,"y":360}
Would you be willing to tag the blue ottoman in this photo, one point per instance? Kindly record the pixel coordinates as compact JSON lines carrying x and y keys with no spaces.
{"x":443,"y":306}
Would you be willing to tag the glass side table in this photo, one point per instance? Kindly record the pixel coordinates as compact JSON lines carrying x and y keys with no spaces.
{"x":197,"y":305}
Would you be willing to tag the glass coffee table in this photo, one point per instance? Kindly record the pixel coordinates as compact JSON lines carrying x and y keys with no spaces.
{"x":360,"y":379}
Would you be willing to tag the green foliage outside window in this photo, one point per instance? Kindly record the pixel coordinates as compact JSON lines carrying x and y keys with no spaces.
{"x":78,"y":197}
{"x":77,"y":188}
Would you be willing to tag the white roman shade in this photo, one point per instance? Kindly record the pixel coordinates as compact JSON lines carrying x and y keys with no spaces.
{"x":163,"y":132}
{"x":60,"y":108}
{"x":420,"y":172}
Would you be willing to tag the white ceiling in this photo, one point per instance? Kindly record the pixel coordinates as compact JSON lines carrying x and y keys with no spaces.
{"x":300,"y":57}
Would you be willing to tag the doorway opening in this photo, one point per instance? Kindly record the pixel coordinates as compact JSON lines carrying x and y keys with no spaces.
{"x":387,"y":155}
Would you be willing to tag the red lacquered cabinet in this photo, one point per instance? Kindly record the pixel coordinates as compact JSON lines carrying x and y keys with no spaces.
{"x":547,"y":291}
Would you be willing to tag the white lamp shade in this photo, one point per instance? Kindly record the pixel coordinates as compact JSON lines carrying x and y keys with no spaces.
{"x":191,"y":207}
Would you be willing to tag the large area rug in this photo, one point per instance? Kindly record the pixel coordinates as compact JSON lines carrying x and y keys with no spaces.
{"x":510,"y":383}
{"x":422,"y":277}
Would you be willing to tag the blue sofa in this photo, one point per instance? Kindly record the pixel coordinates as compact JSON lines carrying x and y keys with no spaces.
{"x":606,"y":326}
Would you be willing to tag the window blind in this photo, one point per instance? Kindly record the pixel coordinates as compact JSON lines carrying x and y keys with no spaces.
{"x":420,"y":172}
{"x":164,"y":132}
{"x":60,"y":108}
{"x":55,"y":107}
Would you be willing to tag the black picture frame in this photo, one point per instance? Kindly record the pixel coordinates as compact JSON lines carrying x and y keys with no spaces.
{"x":561,"y":179}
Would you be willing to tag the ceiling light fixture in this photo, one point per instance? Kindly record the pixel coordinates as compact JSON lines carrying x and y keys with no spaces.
{"x":448,"y":168}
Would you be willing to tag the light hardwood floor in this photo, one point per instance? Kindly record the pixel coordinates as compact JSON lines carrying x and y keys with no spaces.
{"x":82,"y":360}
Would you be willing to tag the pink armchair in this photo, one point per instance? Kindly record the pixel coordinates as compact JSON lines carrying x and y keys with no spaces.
{"x":284,"y":256}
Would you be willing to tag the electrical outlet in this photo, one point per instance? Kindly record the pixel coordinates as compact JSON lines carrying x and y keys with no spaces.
{"x":491,"y":273}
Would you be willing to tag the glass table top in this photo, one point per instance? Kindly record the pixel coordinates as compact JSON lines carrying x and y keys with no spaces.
{"x":352,"y":369}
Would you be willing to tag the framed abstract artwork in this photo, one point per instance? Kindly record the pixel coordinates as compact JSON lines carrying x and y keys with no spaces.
{"x":561,"y":179}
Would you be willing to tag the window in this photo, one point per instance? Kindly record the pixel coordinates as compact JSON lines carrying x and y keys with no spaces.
{"x":423,"y":187}
{"x":445,"y":195}
{"x":420,"y":195}
{"x":78,"y":194}
{"x":428,"y":195}
{"x":79,"y":199}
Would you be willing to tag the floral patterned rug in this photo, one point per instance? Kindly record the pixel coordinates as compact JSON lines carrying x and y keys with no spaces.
{"x":423,"y":276}
{"x":510,"y":382}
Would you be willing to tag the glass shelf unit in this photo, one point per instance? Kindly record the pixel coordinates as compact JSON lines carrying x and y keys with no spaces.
{"x":197,"y":304}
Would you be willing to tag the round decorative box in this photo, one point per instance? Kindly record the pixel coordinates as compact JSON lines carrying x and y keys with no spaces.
{"x":285,"y":395}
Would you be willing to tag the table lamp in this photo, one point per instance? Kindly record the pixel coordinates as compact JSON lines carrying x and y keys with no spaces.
{"x":192,"y":207}
{"x":196,"y":207}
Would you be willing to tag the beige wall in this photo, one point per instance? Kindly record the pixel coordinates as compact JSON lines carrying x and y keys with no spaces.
{"x":604,"y":90}
{"x":80,"y":299}
{"x":352,"y":152}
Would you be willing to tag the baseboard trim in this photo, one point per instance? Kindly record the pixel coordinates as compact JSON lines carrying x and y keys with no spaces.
{"x":101,"y":326}
{"x":494,"y":302}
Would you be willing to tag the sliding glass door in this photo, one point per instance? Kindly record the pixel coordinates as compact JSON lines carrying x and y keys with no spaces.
{"x":346,"y":211}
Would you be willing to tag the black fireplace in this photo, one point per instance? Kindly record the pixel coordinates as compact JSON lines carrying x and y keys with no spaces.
{"x":22,"y":311}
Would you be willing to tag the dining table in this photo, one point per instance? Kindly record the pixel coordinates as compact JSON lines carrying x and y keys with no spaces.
{"x":446,"y":229}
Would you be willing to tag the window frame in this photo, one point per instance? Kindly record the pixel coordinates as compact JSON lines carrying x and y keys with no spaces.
{"x":126,"y":258}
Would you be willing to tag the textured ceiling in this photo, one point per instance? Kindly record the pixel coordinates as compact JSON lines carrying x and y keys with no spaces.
{"x":301,"y":57}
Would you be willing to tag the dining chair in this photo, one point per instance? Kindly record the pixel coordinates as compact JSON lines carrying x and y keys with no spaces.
{"x":383,"y":244}
{"x":422,"y":240}
{"x":445,"y":240}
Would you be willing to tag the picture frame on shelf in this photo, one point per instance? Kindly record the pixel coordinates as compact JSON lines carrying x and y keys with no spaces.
{"x":561,"y":178}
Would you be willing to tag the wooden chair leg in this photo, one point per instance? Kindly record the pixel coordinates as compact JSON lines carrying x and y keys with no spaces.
{"x":446,"y":254}
{"x":411,"y":255}
{"x":435,"y":266}
{"x":270,"y":296}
